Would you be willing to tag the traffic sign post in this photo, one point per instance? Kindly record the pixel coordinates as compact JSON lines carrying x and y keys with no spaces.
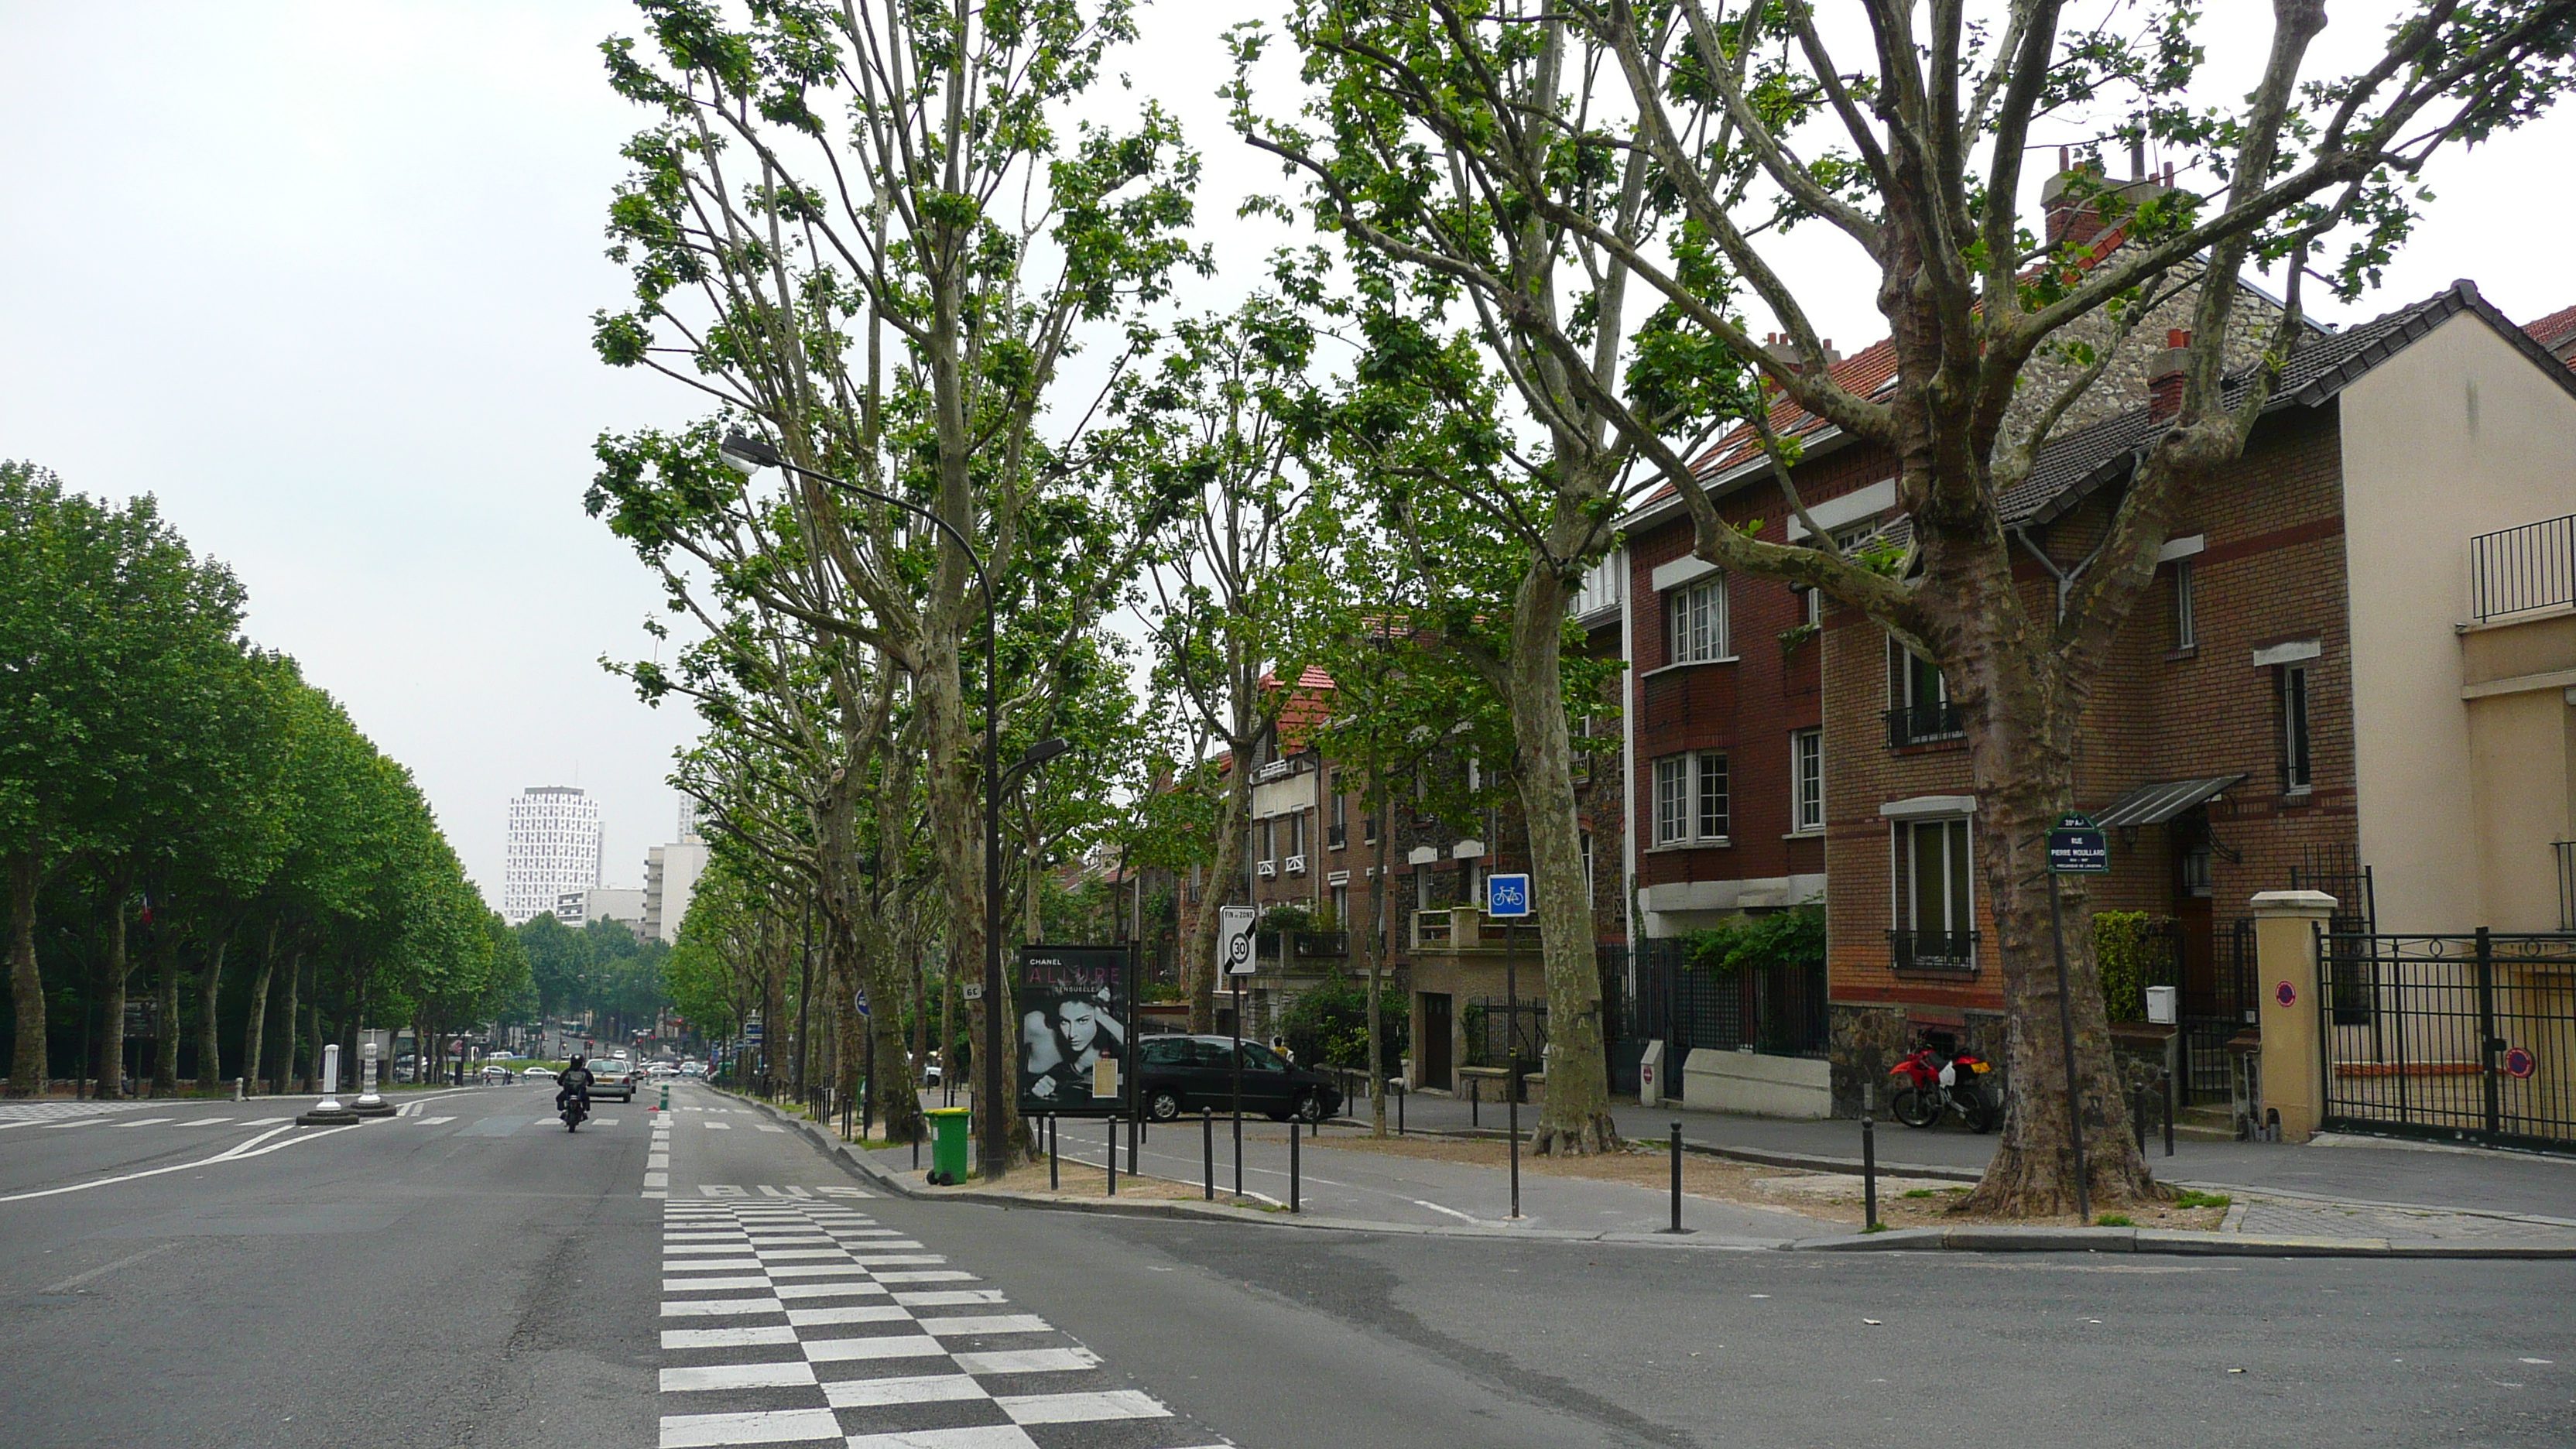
{"x":1236,"y":937}
{"x":2076,"y":846}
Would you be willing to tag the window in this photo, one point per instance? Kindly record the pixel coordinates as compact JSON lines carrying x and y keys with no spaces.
{"x":2183,"y":635}
{"x":1918,"y":699}
{"x":1422,"y":887}
{"x":1692,"y":799}
{"x":2296,"y":775}
{"x":1265,"y":841}
{"x":1713,"y":797}
{"x":1297,"y":833}
{"x":1807,"y":780}
{"x":1695,"y":622}
{"x":2195,"y":871}
{"x":1935,"y":917}
{"x":1812,"y":601}
{"x":1341,"y":899}
{"x":1341,"y":817}
{"x":1587,"y":865}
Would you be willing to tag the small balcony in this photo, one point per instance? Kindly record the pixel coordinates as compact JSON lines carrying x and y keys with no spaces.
{"x":2517,"y":570}
{"x":1916,"y":724}
{"x":1336,"y":836}
{"x":1267,"y":869}
{"x":1296,"y":865}
{"x":1933,"y":953}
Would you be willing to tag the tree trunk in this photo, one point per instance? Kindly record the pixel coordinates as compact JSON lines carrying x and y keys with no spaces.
{"x":116,"y":964}
{"x":210,"y":1055}
{"x":165,"y":975}
{"x":1198,"y":961}
{"x":255,"y":1021}
{"x":313,"y":1026}
{"x":286,"y":1058}
{"x":27,"y":1063}
{"x":1374,"y":950}
{"x":1575,"y":1119}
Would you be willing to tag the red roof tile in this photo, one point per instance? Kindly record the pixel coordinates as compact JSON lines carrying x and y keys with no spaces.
{"x":2555,"y":330}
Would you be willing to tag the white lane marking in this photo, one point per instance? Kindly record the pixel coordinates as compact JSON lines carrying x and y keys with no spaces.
{"x":854,"y":1313}
{"x":827,"y":1290}
{"x":75,"y":1122}
{"x":719,"y":1126}
{"x":894,"y":1345}
{"x":771,"y":1426}
{"x":929,"y":1275}
{"x":692,"y":1285}
{"x":235,"y":1154}
{"x":914,"y":1389}
{"x":1437,"y":1208}
{"x":986,"y":1323}
{"x":674,"y":1250}
{"x":699,"y":1265}
{"x":767,"y":1128}
{"x":991,"y":1436}
{"x":676,"y":1338}
{"x":143,"y":1122}
{"x":818,"y":1270}
{"x":659,"y":1160}
{"x":718,"y":1307}
{"x":1081,"y":1408}
{"x":206,"y":1122}
{"x":77,"y":1279}
{"x":1029,"y":1361}
{"x":738,"y":1376}
{"x":657,"y":1179}
{"x":893,"y":1259}
{"x":950,"y":1297}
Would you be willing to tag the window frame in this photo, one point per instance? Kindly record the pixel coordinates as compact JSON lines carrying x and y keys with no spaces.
{"x":1957,"y":835}
{"x":2186,"y":626}
{"x":2298,"y":729}
{"x":1680,"y":810}
{"x":1706,"y":627}
{"x":1807,"y":781}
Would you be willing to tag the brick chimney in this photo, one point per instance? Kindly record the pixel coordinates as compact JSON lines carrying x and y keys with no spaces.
{"x":1785,"y":351}
{"x":2075,"y":217}
{"x":2164,"y":380}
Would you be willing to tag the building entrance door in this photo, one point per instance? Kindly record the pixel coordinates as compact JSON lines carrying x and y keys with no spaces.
{"x":1433,"y":1047}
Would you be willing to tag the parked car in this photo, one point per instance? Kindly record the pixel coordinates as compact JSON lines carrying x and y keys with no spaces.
{"x":533,"y":1073}
{"x":612,"y":1078}
{"x":497,"y":1073}
{"x":1178,"y":1074}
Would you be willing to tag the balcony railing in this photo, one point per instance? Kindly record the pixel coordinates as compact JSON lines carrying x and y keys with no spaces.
{"x":1947,"y":953}
{"x":1913,"y":724}
{"x":1268,"y":868}
{"x":2566,"y":884}
{"x":2516,"y":570}
{"x":1296,"y":865}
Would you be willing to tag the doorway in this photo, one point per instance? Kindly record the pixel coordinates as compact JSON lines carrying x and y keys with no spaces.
{"x":1433,"y":1044}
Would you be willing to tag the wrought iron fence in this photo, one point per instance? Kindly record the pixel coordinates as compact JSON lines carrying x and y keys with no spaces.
{"x":1492,"y":1039}
{"x":2464,"y":1037}
{"x":2515,"y":570}
{"x":1778,"y":1011}
{"x":1946,"y":953}
{"x":1913,"y":724}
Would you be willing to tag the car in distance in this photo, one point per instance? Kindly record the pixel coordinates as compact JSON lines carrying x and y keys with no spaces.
{"x":612,"y":1078}
{"x":535,"y":1073}
{"x":1179,"y":1074}
{"x":497,"y":1073}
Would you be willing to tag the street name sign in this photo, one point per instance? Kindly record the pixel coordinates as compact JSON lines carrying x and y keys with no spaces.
{"x":2077,"y":847}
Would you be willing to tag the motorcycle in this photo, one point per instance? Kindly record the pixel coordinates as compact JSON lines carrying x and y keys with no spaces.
{"x":576,"y":1110}
{"x":1938,"y":1078}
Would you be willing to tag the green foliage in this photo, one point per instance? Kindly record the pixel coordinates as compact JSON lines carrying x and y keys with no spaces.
{"x":2115,"y":1220}
{"x":1790,"y":939}
{"x":1288,"y":917}
{"x":2194,"y":1198}
{"x":2131,"y":950}
{"x":1327,"y":1025}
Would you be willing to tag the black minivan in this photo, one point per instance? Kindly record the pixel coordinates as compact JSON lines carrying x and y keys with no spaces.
{"x":1177,"y":1074}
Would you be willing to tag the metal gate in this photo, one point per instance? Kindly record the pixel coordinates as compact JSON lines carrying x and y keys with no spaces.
{"x":2464,"y":1037}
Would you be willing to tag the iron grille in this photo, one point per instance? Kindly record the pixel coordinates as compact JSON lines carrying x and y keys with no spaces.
{"x":1944,"y":953}
{"x":2516,"y":570}
{"x":1913,"y":724}
{"x":2464,"y":1037}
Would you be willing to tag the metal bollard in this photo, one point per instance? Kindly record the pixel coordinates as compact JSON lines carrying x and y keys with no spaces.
{"x":1868,"y":1162}
{"x":2169,"y":1113}
{"x":1135,"y":1138}
{"x":1112,"y":1158}
{"x":1677,"y":1177}
{"x":1293,"y":1176}
{"x":1399,"y":1110}
{"x":1054,"y":1181}
{"x":1207,"y":1148}
{"x":2138,"y":1116}
{"x":1475,"y":1116}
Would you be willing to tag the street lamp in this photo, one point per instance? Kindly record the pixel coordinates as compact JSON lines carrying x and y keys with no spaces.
{"x":747,"y":455}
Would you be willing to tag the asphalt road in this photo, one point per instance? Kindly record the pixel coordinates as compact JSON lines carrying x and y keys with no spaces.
{"x":492,"y":1280}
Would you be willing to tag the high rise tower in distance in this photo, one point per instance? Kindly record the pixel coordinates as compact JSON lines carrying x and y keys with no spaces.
{"x":554,"y":847}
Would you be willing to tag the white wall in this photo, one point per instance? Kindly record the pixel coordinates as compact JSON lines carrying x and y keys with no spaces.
{"x":2459,"y":434}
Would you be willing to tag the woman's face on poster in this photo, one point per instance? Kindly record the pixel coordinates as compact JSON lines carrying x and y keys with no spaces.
{"x":1077,"y":1021}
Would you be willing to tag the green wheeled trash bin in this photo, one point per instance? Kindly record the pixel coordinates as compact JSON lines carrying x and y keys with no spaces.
{"x":948,"y":1131}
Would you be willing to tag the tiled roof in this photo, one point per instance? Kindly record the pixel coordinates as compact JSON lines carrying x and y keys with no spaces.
{"x":1305,"y":710}
{"x":2071,"y":467}
{"x":2555,"y":330}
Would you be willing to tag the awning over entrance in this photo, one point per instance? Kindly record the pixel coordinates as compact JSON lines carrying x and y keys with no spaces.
{"x":2157,"y":803}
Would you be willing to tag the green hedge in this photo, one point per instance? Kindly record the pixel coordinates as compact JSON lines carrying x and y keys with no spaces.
{"x":1790,"y":938}
{"x":2130,"y":950}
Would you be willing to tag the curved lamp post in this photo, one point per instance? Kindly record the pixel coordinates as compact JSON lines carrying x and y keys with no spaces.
{"x":747,"y":455}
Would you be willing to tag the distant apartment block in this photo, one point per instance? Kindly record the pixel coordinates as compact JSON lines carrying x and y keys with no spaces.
{"x":605,"y":903}
{"x":554,"y":849}
{"x":671,"y":877}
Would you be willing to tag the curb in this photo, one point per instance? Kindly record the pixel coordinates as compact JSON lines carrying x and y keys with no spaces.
{"x":1979,"y":1239}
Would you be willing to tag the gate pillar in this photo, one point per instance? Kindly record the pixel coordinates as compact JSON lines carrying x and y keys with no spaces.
{"x":2287,"y":981}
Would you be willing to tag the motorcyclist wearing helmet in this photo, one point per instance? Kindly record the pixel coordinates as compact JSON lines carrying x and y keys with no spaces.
{"x":576,"y":1078}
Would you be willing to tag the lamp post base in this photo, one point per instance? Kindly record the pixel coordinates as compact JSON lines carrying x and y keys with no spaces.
{"x":328,"y":1113}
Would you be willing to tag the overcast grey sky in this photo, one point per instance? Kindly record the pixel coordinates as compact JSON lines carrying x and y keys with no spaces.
{"x":320,"y":276}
